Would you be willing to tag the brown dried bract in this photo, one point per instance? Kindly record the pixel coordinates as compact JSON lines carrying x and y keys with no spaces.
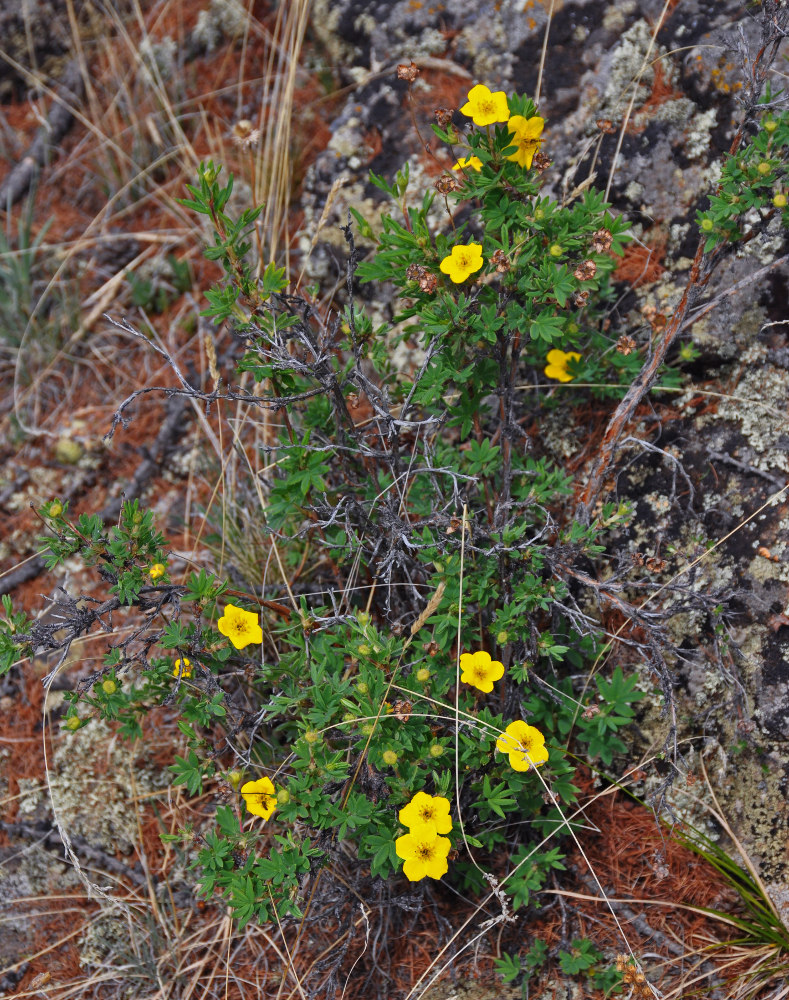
{"x":431,"y":648}
{"x":586,"y":270}
{"x":606,"y":125}
{"x":579,"y":298}
{"x":655,"y":564}
{"x":591,"y":711}
{"x":602,"y":240}
{"x":407,"y":71}
{"x":443,"y":116}
{"x":501,"y":261}
{"x":625,"y":345}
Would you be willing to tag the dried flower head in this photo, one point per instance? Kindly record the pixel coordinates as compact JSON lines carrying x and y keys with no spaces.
{"x":443,"y":116}
{"x":580,"y":298}
{"x":586,"y":270}
{"x":426,"y":279}
{"x":591,"y":711}
{"x":245,"y":134}
{"x":541,"y":161}
{"x":625,"y":345}
{"x":407,"y":71}
{"x":446,"y":184}
{"x":602,"y":240}
{"x":501,"y":261}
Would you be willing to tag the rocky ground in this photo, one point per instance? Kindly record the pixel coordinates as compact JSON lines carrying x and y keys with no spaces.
{"x":706,"y":469}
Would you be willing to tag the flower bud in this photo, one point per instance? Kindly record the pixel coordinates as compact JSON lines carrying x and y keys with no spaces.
{"x":770,"y":126}
{"x":389,"y":758}
{"x":311,"y":736}
{"x":779,"y":201}
{"x":55,"y":508}
{"x":109,"y":687}
{"x":436,"y":750}
{"x":707,"y":225}
{"x":422,"y":675}
{"x":283,"y":796}
{"x":764,"y":168}
{"x":555,"y":250}
{"x":73,"y":723}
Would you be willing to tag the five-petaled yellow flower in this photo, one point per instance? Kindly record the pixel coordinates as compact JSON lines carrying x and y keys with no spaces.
{"x":484,"y":108}
{"x":526,"y":137}
{"x":423,"y":853}
{"x":468,"y":161}
{"x":182,"y":668}
{"x":557,"y":364}
{"x":157,"y":570}
{"x":479,"y":670}
{"x":462,"y":262}
{"x":525,"y":744}
{"x":260,"y":797}
{"x":241,"y":627}
{"x":427,"y":810}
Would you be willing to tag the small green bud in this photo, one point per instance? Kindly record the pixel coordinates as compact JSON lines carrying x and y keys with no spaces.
{"x":390,"y":758}
{"x":363,"y":618}
{"x":362,"y":688}
{"x":707,"y":225}
{"x":367,"y":729}
{"x":539,"y":213}
{"x":770,"y":126}
{"x":283,"y":796}
{"x":73,"y":723}
{"x":109,"y":687}
{"x":502,"y":638}
{"x":422,"y":675}
{"x":55,"y":508}
{"x":234,"y":777}
{"x":779,"y":201}
{"x":436,"y":750}
{"x":311,"y":736}
{"x":555,"y":250}
{"x":137,"y":517}
{"x":364,"y":649}
{"x":764,"y":168}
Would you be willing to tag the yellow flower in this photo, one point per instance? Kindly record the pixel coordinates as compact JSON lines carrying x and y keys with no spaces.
{"x":157,"y":570}
{"x":525,"y":744}
{"x":479,"y":670}
{"x":526,"y":137}
{"x":557,"y":364}
{"x":423,"y":853}
{"x":260,"y":797}
{"x":182,"y":668}
{"x":427,"y":810}
{"x":462,"y":262}
{"x":484,"y":108}
{"x":241,"y":627}
{"x":468,"y":161}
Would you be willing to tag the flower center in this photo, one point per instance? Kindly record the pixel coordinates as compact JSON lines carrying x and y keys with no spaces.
{"x":425,"y":851}
{"x":487,"y":107}
{"x":480,"y":673}
{"x":427,"y":814}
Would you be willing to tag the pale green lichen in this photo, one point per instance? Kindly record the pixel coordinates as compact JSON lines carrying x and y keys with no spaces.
{"x":91,"y":787}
